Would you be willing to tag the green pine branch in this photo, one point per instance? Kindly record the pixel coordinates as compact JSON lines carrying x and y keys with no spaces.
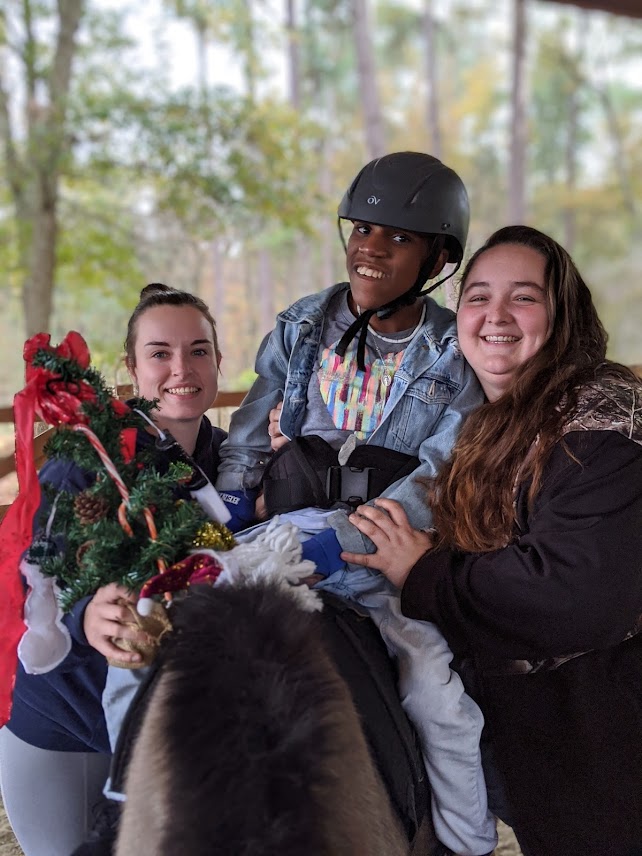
{"x":89,"y":549}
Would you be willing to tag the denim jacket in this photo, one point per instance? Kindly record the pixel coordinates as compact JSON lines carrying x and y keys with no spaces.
{"x":432,"y":391}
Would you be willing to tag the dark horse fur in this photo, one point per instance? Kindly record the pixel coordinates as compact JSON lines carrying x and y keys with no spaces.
{"x":251,"y":745}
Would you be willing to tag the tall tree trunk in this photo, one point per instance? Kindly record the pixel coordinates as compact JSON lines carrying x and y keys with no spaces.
{"x":298,"y":267}
{"x":202,"y":68}
{"x":38,"y":258}
{"x":217,"y":302}
{"x":619,"y":154}
{"x":217,"y":261}
{"x":251,"y":59}
{"x":328,"y":229}
{"x":294,"y":58}
{"x":570,"y":213}
{"x":34,"y":176}
{"x":432,"y":83}
{"x":517,"y":175}
{"x":373,"y":119}
{"x":265,"y":291}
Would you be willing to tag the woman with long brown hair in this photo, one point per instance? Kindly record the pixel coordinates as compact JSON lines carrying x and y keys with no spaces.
{"x":533,"y":571}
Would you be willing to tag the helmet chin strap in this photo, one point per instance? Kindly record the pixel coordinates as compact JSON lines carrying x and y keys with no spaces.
{"x":441,"y":281}
{"x":360,"y":325}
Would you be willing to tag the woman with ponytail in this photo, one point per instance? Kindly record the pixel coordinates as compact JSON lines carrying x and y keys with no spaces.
{"x":55,"y":750}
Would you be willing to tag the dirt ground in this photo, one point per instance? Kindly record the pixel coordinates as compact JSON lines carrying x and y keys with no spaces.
{"x":507,"y":844}
{"x":8,"y":847}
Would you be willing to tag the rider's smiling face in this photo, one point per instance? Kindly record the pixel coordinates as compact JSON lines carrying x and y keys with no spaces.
{"x":383,"y":263}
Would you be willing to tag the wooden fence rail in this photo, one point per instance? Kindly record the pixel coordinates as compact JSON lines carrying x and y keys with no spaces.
{"x":224,"y":401}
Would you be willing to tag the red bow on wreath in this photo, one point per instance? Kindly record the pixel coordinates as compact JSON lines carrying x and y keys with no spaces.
{"x":195,"y":568}
{"x":48,"y":397}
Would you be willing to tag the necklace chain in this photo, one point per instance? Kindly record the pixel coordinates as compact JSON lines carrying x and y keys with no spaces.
{"x":407,"y":338}
{"x":386,"y":378}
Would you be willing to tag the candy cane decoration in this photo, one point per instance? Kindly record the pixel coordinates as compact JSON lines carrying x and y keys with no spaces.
{"x":122,"y":490}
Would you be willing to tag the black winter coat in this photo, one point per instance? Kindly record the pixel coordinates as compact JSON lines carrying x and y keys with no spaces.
{"x":547,"y":627}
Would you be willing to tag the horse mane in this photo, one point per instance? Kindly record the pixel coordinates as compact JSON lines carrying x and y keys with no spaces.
{"x":251,"y":745}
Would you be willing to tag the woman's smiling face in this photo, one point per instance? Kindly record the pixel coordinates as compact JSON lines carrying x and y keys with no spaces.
{"x":503,"y":317}
{"x":176,"y":363}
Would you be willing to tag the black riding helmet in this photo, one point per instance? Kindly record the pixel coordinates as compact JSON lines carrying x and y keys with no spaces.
{"x":416,"y":192}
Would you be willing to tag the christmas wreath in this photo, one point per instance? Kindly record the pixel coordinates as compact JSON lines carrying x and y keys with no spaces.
{"x":125,"y":527}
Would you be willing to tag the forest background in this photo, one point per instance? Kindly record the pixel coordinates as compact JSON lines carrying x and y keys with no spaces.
{"x":207,"y":143}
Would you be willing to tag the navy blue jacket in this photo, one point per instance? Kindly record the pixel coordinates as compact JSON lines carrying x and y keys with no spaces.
{"x":62,"y":709}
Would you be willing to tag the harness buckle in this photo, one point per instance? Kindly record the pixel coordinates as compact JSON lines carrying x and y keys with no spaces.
{"x":348,"y":484}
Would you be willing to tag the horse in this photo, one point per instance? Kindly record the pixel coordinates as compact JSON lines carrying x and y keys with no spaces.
{"x":250,"y":743}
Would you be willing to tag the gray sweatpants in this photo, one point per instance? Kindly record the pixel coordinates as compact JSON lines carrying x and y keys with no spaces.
{"x":48,"y":796}
{"x":447,"y":720}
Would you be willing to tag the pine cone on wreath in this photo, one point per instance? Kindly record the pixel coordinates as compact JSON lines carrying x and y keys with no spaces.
{"x":89,"y":508}
{"x":80,"y":552}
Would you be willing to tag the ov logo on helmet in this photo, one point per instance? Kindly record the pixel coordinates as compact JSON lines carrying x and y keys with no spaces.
{"x":374,"y":200}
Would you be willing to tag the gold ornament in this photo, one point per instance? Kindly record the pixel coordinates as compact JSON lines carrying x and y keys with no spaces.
{"x":214,"y":536}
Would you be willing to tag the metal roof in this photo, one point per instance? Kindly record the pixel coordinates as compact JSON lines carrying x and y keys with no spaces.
{"x":631,"y":8}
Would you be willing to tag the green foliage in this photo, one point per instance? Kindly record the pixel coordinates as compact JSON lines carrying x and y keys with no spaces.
{"x":228,"y":159}
{"x":99,"y":553}
{"x":245,"y":379}
{"x":88,"y":546}
{"x":98,"y":240}
{"x":152,"y":174}
{"x":401,"y":26}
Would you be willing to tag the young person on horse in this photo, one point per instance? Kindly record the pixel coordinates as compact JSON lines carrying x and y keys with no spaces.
{"x":373,"y":367}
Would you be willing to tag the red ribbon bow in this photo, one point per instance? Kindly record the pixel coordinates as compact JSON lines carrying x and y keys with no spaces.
{"x":196,"y":568}
{"x":56,"y":402}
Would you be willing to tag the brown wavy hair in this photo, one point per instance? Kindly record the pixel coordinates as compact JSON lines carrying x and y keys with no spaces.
{"x":472,"y":496}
